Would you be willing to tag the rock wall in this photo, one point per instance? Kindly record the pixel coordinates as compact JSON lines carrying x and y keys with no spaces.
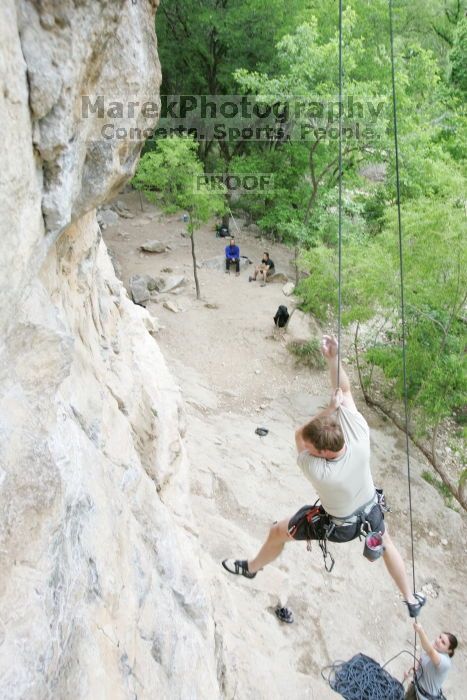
{"x":101,"y":588}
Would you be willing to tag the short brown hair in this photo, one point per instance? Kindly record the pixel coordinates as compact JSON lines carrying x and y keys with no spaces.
{"x":324,"y":433}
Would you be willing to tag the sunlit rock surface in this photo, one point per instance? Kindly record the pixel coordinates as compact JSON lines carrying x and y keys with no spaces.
{"x":101,"y":592}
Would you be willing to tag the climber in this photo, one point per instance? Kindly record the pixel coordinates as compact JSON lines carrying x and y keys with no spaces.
{"x":433,"y":666}
{"x":334,"y":454}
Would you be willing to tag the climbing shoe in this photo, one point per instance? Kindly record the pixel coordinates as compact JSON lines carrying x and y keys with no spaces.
{"x":284,"y":615}
{"x":415,"y":608}
{"x":235,"y":566}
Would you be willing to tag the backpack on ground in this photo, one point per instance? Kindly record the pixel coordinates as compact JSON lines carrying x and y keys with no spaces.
{"x":222,"y":231}
{"x":281,"y":317}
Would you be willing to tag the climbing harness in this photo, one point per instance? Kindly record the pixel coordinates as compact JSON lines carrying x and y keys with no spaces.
{"x":314,"y":523}
{"x":424,"y":693}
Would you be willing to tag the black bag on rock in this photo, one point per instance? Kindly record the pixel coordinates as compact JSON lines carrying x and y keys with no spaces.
{"x":281,"y":317}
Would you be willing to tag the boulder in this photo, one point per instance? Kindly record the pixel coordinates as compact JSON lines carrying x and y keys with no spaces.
{"x":153,"y":246}
{"x":218,"y":263}
{"x":302,"y":327}
{"x":288,"y":289}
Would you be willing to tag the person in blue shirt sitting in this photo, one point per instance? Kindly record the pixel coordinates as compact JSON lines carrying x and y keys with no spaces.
{"x":232,"y":255}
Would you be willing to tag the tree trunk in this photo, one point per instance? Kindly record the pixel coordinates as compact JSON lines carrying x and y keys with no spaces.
{"x":195,"y":271}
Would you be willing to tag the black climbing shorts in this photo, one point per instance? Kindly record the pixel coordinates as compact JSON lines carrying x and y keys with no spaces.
{"x":313,"y":523}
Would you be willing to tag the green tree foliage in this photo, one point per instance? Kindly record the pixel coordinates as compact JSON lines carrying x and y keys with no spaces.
{"x":201,"y":42}
{"x":305,"y":81}
{"x":172,"y":175}
{"x":435,"y":282}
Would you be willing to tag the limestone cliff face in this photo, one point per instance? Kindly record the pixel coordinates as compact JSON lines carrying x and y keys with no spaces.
{"x":101,"y":591}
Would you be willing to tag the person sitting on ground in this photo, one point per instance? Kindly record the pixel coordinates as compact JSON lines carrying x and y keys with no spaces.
{"x":232,"y":255}
{"x":264,"y":270}
{"x":433,"y":666}
{"x":334,"y":454}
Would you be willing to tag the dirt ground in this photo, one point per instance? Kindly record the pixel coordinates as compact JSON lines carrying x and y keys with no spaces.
{"x":236,"y":374}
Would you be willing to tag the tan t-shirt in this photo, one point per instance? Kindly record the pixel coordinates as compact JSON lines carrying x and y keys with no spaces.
{"x":344,"y":484}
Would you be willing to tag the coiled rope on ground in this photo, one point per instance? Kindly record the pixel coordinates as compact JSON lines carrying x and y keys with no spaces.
{"x":362,"y":678}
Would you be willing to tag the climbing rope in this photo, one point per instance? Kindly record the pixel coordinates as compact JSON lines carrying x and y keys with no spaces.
{"x":401,"y":276}
{"x":362,"y":678}
{"x":339,"y":300}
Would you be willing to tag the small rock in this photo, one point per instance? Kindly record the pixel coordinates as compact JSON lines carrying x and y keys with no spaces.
{"x":153,"y":246}
{"x":173,"y":281}
{"x":278,"y":277}
{"x":107,"y":217}
{"x":151,"y":324}
{"x":139,"y":289}
{"x":257,"y":371}
{"x":171,"y":306}
{"x":262,"y":406}
{"x":444,"y":542}
{"x":288,"y":289}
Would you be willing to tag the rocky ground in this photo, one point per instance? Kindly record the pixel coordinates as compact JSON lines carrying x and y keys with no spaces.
{"x":236,"y":374}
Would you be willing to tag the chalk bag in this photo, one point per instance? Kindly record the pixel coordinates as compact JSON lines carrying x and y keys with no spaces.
{"x":373,"y":548}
